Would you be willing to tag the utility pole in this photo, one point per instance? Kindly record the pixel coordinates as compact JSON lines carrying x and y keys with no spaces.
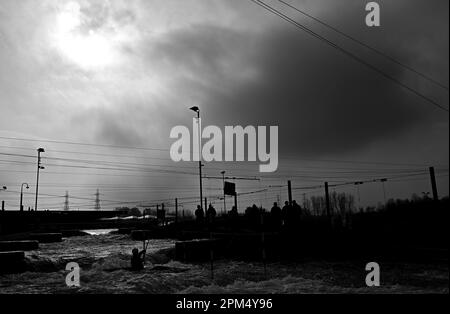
{"x":304,"y":200}
{"x":433,"y":184}
{"x":290,"y":192}
{"x":327,"y":200}
{"x":359,"y":197}
{"x":384,"y":189}
{"x":176,"y":210}
{"x":97,"y":200}
{"x":39,"y":151}
{"x":223,"y":186}
{"x":66,"y":202}
{"x":21,"y":195}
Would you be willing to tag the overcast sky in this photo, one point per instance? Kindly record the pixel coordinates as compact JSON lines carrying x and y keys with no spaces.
{"x":124,"y":73}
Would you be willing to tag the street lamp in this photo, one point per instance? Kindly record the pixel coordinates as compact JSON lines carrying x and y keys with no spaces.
{"x":197,"y":110}
{"x":21,"y":195}
{"x":3,"y":202}
{"x":223,"y":184}
{"x":39,"y":151}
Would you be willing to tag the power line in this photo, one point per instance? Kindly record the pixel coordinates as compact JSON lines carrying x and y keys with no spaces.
{"x":92,"y":174}
{"x":288,"y":158}
{"x":377,"y":51}
{"x":83,"y":144}
{"x":347,"y":53}
{"x":113,"y":163}
{"x":129,"y":168}
{"x":85,"y":153}
{"x":291,"y":174}
{"x":293,"y":158}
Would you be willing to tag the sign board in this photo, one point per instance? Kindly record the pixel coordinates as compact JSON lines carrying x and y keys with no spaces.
{"x":230,"y":188}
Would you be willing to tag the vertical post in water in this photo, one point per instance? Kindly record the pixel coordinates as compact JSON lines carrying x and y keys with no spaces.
{"x":143,"y":249}
{"x":211,"y":251}
{"x":433,"y":184}
{"x":157,"y":215}
{"x":176,"y":210}
{"x":211,"y":255}
{"x":3,"y":206}
{"x":263,"y":242}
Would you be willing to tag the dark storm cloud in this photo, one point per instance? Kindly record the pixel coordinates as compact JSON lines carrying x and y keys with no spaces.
{"x":322,"y":101}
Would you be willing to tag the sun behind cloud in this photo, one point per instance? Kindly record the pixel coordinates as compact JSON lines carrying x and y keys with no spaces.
{"x":89,"y":48}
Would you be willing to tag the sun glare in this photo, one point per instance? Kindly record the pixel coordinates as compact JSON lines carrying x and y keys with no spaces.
{"x":89,"y":49}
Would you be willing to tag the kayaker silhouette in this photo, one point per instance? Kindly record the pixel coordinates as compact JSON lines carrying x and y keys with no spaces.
{"x":137,"y":259}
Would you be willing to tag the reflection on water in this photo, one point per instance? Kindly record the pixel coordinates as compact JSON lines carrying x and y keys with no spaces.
{"x":95,"y":232}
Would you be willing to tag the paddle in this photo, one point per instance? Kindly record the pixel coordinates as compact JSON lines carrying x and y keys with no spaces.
{"x":145,"y":249}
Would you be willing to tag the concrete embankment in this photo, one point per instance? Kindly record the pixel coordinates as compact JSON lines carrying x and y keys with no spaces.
{"x":12,"y":261}
{"x":23,"y":245}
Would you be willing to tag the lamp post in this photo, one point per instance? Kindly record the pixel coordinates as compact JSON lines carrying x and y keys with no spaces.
{"x":4,"y":188}
{"x":39,"y":151}
{"x":197,"y":110}
{"x":223,"y":186}
{"x":21,"y":195}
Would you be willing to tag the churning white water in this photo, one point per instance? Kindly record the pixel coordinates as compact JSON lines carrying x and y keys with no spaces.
{"x":104,"y":260}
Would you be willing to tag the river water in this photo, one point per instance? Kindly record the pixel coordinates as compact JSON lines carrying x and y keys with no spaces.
{"x":104,"y":259}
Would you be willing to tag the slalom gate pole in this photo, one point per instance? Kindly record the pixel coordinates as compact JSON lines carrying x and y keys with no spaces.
{"x":211,"y":256}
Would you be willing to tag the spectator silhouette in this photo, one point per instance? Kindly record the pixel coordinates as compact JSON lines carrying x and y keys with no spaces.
{"x":275,"y":216}
{"x":296,"y":212}
{"x":233,"y":213}
{"x":253,"y":215}
{"x":285,"y":213}
{"x":199,"y":214}
{"x":211,"y":213}
{"x":233,"y":217}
